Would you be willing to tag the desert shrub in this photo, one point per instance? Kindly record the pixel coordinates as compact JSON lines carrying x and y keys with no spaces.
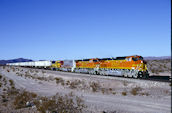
{"x":103,"y":90}
{"x":170,"y":84}
{"x":59,"y":80}
{"x":13,"y":69}
{"x":13,"y":91}
{"x":31,"y":71}
{"x":50,"y":78}
{"x":5,"y":81}
{"x":114,"y":92}
{"x":43,"y":71}
{"x":125,"y":83}
{"x":11,"y":82}
{"x":0,"y":84}
{"x":67,"y":82}
{"x":61,"y":104}
{"x":147,"y":94}
{"x":95,"y":86}
{"x":8,"y":70}
{"x":0,"y":76}
{"x":4,"y":89}
{"x":124,"y":93}
{"x":75,"y":84}
{"x":22,"y":98}
{"x":41,"y":78}
{"x":4,"y":100}
{"x":27,"y":75}
{"x":19,"y":74}
{"x":135,"y":90}
{"x":110,"y":89}
{"x":106,"y":90}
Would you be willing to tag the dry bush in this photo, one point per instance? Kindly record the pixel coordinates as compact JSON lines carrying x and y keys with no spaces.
{"x":0,"y":84}
{"x":4,"y":89}
{"x":41,"y":78}
{"x":27,"y":75}
{"x":0,"y":76}
{"x":43,"y":71}
{"x":19,"y":74}
{"x":74,"y":84}
{"x":13,"y":91}
{"x":103,"y":90}
{"x":61,"y":104}
{"x":5,"y":81}
{"x":147,"y":94}
{"x":114,"y":92}
{"x":22,"y":98}
{"x":11,"y":82}
{"x":13,"y":69}
{"x":110,"y":89}
{"x":67,"y":82}
{"x":109,"y":111}
{"x":125,"y":83}
{"x":95,"y":86}
{"x":59,"y":80}
{"x":124,"y":93}
{"x":135,"y":91}
{"x":51,"y":78}
{"x":8,"y":70}
{"x":106,"y":90}
{"x":31,"y":71}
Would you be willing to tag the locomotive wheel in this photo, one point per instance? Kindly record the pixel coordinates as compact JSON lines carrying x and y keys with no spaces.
{"x":101,"y":73}
{"x":125,"y":75}
{"x":135,"y":75}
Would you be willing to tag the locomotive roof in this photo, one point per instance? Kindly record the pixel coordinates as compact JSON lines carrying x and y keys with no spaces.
{"x":113,"y":58}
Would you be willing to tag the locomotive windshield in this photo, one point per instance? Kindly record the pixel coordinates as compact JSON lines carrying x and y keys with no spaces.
{"x":140,"y":58}
{"x":135,"y":59}
{"x":95,"y":60}
{"x":53,"y":62}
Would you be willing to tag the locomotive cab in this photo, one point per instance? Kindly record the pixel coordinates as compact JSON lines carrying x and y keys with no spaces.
{"x":141,"y":66}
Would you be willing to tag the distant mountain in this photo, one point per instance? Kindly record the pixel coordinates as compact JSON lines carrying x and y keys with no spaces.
{"x":3,"y":62}
{"x":157,"y":58}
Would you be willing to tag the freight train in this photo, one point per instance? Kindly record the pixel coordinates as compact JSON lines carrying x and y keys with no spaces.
{"x":128,"y":66}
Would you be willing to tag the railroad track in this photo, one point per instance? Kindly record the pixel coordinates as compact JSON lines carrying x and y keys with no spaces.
{"x":159,"y":78}
{"x":151,"y":78}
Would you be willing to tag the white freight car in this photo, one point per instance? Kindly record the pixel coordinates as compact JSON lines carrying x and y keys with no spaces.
{"x":68,"y":65}
{"x":42,"y":64}
{"x":39,"y":64}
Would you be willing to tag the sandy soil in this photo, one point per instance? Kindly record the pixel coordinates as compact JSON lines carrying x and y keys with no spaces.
{"x":112,"y":94}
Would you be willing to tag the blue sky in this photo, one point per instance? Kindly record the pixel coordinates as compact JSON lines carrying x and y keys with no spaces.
{"x":75,"y":29}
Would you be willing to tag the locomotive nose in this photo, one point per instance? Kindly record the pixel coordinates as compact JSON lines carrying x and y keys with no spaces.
{"x":144,"y":62}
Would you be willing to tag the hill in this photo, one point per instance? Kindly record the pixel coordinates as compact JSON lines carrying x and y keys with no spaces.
{"x":3,"y":62}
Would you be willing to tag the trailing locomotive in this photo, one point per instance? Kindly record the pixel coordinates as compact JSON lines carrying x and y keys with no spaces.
{"x":129,"y":66}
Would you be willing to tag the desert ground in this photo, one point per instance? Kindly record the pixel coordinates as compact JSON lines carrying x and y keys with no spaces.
{"x":37,"y":90}
{"x":159,"y":67}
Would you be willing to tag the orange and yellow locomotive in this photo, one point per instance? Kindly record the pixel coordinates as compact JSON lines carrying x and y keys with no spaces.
{"x":129,"y":66}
